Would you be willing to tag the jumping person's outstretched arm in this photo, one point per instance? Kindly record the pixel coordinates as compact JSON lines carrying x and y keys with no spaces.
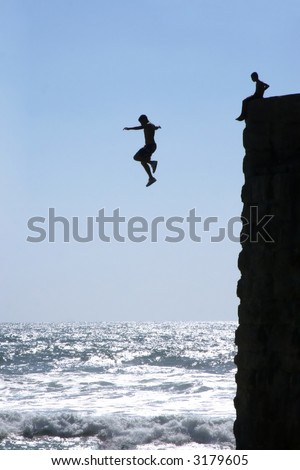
{"x":136,"y":128}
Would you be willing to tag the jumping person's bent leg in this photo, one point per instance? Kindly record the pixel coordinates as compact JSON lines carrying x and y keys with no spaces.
{"x":138,"y":157}
{"x":153,"y":164}
{"x":143,"y":157}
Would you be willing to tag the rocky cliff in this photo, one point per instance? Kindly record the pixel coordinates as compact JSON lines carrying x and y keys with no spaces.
{"x":268,"y":336}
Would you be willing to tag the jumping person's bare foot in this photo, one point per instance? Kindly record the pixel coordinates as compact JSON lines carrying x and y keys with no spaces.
{"x":151,"y":181}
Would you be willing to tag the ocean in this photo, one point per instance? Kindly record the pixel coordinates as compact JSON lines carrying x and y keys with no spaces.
{"x":117,"y":385}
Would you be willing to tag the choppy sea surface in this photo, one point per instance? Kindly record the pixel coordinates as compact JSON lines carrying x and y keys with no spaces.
{"x":117,"y":385}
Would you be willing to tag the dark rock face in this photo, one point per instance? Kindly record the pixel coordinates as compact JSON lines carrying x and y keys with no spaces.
{"x":268,"y":336}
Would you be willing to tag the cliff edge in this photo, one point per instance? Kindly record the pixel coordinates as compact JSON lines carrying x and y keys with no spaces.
{"x":267,"y":401}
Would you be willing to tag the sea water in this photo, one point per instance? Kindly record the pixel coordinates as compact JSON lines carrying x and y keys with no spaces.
{"x":117,"y":385}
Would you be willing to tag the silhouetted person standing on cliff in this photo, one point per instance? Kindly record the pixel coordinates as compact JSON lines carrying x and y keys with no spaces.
{"x":144,"y":154}
{"x":260,"y":88}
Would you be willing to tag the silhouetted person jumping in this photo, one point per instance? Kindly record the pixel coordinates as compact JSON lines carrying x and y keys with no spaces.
{"x":259,"y":93}
{"x":144,"y":154}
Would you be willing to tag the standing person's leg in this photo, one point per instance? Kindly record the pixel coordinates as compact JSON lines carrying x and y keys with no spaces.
{"x":244,"y":108}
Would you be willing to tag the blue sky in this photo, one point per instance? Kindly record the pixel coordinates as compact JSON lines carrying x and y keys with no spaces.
{"x":74,"y":73}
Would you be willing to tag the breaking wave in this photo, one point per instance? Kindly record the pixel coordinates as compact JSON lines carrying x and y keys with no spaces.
{"x":114,"y":432}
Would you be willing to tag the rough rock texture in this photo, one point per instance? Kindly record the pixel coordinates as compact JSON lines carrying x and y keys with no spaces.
{"x":268,"y":336}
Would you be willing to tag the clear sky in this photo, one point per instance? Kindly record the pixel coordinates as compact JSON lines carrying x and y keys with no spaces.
{"x":73,"y":74}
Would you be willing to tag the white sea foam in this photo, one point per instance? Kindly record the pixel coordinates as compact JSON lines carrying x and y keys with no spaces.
{"x":115,"y":431}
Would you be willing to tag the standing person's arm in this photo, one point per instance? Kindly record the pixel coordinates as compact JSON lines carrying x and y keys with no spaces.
{"x":266,"y":86}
